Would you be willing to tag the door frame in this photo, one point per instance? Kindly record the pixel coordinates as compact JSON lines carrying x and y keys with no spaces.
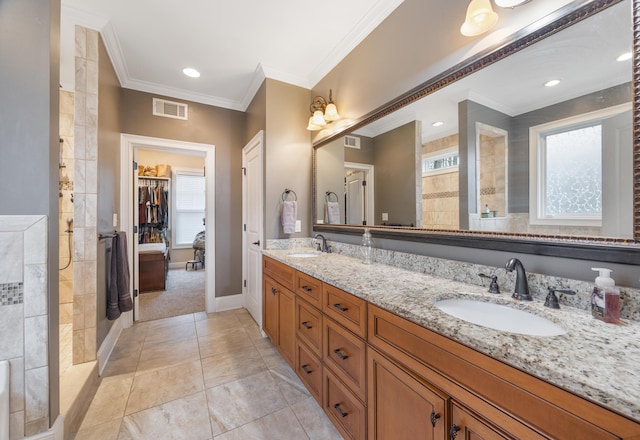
{"x":256,"y":142}
{"x":369,"y":193}
{"x":129,"y":144}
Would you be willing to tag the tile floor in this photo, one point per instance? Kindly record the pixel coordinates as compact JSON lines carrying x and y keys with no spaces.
{"x":201,"y":377}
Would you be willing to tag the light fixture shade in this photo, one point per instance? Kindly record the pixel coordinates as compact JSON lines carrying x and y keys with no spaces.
{"x":331,"y":113}
{"x":318,"y":119}
{"x":312,"y":126}
{"x":510,"y":3}
{"x":480,"y":18}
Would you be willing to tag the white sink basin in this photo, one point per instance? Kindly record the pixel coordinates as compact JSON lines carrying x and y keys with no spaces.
{"x":499,"y":317}
{"x":304,"y":255}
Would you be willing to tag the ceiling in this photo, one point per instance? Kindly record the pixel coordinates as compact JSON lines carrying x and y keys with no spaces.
{"x":234,"y":44}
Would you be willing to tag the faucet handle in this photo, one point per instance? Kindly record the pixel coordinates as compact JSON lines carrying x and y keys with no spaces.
{"x":552,"y":300}
{"x":493,"y":287}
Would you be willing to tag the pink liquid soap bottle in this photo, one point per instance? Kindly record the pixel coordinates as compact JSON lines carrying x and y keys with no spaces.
{"x":605,"y":298}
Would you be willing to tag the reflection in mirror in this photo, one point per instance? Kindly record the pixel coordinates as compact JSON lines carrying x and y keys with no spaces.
{"x":502,"y":149}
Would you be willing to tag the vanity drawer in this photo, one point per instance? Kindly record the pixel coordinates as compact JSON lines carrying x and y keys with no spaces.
{"x":309,"y":326}
{"x":309,"y":370}
{"x":310,"y":289}
{"x":345,"y":353}
{"x":346,"y":412}
{"x":348,"y":310}
{"x":280,"y":272}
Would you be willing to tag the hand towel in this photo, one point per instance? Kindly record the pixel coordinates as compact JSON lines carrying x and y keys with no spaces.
{"x":333,"y":213}
{"x":119,"y":297}
{"x":289,"y":216}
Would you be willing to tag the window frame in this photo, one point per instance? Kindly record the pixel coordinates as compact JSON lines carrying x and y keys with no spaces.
{"x":537,"y":169}
{"x":175,"y":171}
{"x":445,"y":153}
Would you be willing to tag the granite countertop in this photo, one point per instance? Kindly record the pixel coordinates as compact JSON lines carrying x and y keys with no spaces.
{"x":595,"y":360}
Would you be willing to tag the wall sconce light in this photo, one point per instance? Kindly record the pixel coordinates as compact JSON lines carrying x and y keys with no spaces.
{"x":481,"y":17}
{"x":322,"y":112}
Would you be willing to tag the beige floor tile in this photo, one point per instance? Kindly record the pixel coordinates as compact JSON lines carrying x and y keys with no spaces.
{"x":290,"y":385}
{"x":237,"y":403}
{"x":254,"y":332}
{"x":170,"y":333}
{"x":104,"y":431}
{"x":269,"y":354}
{"x":217,"y":344}
{"x":217,"y":325}
{"x":185,"y":418}
{"x":166,"y":355}
{"x":245,"y":318}
{"x":164,"y":385}
{"x":109,"y":402}
{"x":174,"y":320}
{"x":230,"y":366}
{"x":314,"y":421}
{"x":281,"y":425}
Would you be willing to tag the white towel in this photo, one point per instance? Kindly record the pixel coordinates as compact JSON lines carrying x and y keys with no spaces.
{"x":333,"y":213}
{"x":289,"y":216}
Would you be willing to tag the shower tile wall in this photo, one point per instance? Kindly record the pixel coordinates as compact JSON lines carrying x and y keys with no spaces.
{"x":440,"y":192}
{"x":85,"y":195}
{"x":24,"y":319}
{"x":65,"y":206}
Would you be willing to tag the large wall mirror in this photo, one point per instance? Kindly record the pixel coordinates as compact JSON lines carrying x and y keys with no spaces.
{"x":528,"y":145}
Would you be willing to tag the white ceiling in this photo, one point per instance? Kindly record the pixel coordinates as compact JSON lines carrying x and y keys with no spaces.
{"x":234,"y":44}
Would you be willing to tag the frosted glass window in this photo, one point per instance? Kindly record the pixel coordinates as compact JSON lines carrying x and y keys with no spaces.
{"x":573,"y":177}
{"x":189,"y":207}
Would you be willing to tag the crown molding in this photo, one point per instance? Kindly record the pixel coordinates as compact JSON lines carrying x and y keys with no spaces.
{"x":257,"y":80}
{"x":83,"y":18}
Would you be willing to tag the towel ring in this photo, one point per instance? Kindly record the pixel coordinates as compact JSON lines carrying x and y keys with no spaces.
{"x":328,"y":196}
{"x":285,"y":195}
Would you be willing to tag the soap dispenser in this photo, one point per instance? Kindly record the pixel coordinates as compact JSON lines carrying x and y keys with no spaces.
{"x":605,"y":298}
{"x":367,"y":250}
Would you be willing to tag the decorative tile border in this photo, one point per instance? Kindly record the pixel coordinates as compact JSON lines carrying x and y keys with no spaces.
{"x":488,"y":191}
{"x":441,"y":195}
{"x":11,"y":293}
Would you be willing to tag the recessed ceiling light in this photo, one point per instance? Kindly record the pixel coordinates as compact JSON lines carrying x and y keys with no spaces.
{"x":624,"y":57}
{"x":553,"y":82}
{"x":438,"y":124}
{"x":193,"y":73}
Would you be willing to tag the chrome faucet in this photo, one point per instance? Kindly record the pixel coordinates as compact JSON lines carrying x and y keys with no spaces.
{"x":521,"y":290}
{"x":322,"y":246}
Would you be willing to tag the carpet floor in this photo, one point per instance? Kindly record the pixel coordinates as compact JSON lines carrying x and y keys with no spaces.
{"x":184,"y":295}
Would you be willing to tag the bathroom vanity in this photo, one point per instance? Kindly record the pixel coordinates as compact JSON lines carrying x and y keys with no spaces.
{"x":385,"y":363}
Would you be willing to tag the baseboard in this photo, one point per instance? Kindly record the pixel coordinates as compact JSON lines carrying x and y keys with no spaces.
{"x":228,"y":302}
{"x":56,"y":432}
{"x":109,"y":343}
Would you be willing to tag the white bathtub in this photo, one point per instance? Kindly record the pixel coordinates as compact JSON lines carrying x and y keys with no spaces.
{"x":4,"y":400}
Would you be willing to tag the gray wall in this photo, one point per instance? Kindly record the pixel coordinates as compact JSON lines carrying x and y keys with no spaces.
{"x":330,"y":177}
{"x":29,"y":150}
{"x":108,"y":176}
{"x":210,"y":125}
{"x":395,"y":155}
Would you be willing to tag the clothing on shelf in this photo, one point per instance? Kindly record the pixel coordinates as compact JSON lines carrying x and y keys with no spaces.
{"x":153,"y":199}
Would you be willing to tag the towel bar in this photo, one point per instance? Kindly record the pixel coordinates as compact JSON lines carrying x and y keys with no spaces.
{"x":285,"y":194}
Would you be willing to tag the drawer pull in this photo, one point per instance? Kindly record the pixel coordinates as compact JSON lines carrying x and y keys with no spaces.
{"x":340,"y":354}
{"x":434,"y":417}
{"x":306,"y":288}
{"x":306,"y":369}
{"x":340,"y":307}
{"x":274,"y":290}
{"x":453,"y":432}
{"x":306,"y":325}
{"x":337,"y":408}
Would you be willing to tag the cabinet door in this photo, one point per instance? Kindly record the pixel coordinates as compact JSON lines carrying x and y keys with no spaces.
{"x":309,"y":326}
{"x":401,"y":406}
{"x":270,"y":309}
{"x":467,"y":426}
{"x":287,"y":326}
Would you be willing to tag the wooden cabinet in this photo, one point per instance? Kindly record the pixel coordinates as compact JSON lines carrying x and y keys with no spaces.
{"x":309,"y":326}
{"x":310,"y":289}
{"x":153,"y":268}
{"x":400,"y":405}
{"x":465,"y":425}
{"x":278,"y":317}
{"x":345,"y":354}
{"x":309,"y":370}
{"x":344,"y":409}
{"x":346,"y":309}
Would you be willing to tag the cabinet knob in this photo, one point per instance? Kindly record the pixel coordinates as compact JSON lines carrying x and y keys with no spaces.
{"x":453,"y":432}
{"x":340,"y":307}
{"x":434,"y":417}
{"x":306,"y":288}
{"x":337,"y":408}
{"x":306,"y":325}
{"x":274,"y":290}
{"x":306,"y":369}
{"x":340,"y":354}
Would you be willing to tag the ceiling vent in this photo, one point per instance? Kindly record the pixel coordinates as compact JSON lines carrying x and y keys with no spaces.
{"x":170,"y":109}
{"x":352,"y":142}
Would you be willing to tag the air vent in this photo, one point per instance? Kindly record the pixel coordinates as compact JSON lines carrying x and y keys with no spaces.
{"x":352,"y":142}
{"x":170,"y":109}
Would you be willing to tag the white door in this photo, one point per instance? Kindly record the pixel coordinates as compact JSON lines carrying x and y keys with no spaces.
{"x":355,"y":199}
{"x":252,"y":219}
{"x":134,"y":239}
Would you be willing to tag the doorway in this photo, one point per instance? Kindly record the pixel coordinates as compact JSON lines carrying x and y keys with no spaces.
{"x":359,"y":193}
{"x":131,"y":148}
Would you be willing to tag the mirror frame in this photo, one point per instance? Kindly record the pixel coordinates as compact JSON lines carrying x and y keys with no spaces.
{"x":613,"y":250}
